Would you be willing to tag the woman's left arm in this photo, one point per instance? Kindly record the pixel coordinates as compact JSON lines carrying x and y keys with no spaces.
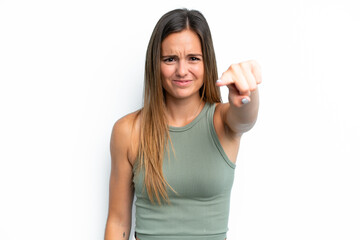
{"x":241,"y":112}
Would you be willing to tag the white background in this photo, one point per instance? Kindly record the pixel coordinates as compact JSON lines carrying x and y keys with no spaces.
{"x":69,"y":69}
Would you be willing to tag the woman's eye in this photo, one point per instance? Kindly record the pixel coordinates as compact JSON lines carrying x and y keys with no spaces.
{"x":194,"y":59}
{"x":169,"y":59}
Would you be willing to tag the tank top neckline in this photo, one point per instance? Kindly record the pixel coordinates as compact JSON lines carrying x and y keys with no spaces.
{"x":193,"y":122}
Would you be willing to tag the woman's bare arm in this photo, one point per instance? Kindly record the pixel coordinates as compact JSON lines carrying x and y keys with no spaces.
{"x":121,"y":191}
{"x":241,"y":112}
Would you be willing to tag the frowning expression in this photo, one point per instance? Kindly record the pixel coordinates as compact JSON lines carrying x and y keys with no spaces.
{"x":182,"y":66}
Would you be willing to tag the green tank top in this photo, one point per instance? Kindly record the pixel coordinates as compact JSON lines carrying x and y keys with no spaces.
{"x":201,"y":174}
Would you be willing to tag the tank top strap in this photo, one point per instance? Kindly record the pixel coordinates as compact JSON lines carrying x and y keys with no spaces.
{"x":210,"y":118}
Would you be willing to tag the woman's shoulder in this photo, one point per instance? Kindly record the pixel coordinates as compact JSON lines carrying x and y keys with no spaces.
{"x":126,"y":133}
{"x":220,"y":109}
{"x":127,"y":122}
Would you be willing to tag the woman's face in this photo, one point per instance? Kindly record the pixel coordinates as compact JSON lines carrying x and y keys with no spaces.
{"x":182,"y":66}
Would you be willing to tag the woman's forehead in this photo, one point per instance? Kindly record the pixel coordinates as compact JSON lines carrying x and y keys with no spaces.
{"x":186,"y":41}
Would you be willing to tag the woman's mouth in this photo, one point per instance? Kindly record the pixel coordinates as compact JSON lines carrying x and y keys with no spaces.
{"x":182,"y":83}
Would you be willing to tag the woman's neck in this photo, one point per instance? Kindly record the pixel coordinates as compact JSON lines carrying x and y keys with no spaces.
{"x":181,"y":112}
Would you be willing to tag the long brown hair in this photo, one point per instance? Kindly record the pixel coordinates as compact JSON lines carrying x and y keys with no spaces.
{"x":154,"y":131}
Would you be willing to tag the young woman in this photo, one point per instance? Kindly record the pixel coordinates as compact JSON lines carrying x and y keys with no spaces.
{"x":177,"y":154}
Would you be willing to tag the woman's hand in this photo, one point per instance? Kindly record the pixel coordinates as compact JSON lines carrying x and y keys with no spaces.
{"x":241,"y":79}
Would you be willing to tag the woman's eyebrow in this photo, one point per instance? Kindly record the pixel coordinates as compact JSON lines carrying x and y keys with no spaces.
{"x":168,"y":56}
{"x":195,"y":55}
{"x":189,"y":55}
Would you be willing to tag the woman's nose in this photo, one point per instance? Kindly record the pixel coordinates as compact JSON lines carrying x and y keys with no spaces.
{"x":182,"y":68}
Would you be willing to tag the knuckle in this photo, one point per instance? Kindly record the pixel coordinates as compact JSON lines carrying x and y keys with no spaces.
{"x":234,"y":67}
{"x":253,"y":88}
{"x":253,"y":62}
{"x":225,"y":74}
{"x":245,"y":89}
{"x":244,"y":64}
{"x":257,"y":65}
